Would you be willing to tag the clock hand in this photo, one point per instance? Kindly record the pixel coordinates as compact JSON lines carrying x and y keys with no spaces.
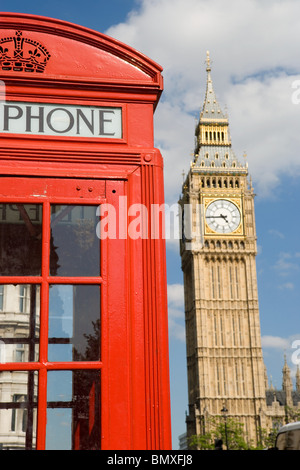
{"x":221,"y":216}
{"x":224,"y":217}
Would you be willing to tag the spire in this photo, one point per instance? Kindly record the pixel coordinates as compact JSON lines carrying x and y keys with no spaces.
{"x":211,"y":110}
{"x":266,"y":378}
{"x":213,"y":142}
{"x":208,"y":69}
{"x":298,"y":379}
{"x":287,"y":384}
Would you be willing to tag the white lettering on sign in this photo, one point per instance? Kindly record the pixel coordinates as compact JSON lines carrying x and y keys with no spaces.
{"x":58,"y":119}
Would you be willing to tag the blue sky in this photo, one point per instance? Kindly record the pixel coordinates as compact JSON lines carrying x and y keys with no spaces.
{"x":255,"y":68}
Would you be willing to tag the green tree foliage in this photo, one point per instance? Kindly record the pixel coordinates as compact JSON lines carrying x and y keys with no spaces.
{"x":291,"y":414}
{"x":230,"y":432}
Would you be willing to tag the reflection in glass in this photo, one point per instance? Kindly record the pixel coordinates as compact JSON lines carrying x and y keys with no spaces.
{"x":19,"y":322}
{"x":74,"y":323}
{"x":18,"y":402}
{"x":289,"y":440}
{"x":73,"y":414}
{"x":76,"y":245}
{"x":20,"y":239}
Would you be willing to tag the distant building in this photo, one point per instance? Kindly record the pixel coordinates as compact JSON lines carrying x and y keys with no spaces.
{"x":218,"y":249}
{"x":183,"y":444}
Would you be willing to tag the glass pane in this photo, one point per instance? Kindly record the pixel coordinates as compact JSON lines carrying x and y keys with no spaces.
{"x":76,"y":247}
{"x":74,"y":323}
{"x":18,"y":395}
{"x":19,"y":322}
{"x":73,"y":414}
{"x":20,"y":239}
{"x":289,"y":440}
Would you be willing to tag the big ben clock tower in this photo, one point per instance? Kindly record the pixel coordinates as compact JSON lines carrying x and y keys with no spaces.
{"x":226,"y":373}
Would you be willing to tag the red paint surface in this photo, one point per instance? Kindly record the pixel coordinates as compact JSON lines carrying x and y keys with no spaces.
{"x":88,"y":68}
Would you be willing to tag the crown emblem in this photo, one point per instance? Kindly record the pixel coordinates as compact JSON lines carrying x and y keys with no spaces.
{"x":22,"y":54}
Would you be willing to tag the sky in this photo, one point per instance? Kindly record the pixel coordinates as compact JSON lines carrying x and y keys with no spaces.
{"x":254,"y":48}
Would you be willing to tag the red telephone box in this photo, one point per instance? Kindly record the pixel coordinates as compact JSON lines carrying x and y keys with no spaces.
{"x":83,"y":311}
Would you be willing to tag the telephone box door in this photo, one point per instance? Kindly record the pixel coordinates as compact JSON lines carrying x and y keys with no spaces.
{"x":63,"y":316}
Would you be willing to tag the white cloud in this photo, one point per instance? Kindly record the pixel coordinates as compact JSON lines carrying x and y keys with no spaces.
{"x":176,"y":330}
{"x":255,"y":63}
{"x":276,"y":349}
{"x":175,"y":295}
{"x":276,"y":233}
{"x":285,"y":265}
{"x":287,"y":286}
{"x":289,"y":346}
{"x":176,"y":311}
{"x":275,"y":342}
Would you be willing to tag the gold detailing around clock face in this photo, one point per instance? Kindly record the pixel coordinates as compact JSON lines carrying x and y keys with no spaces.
{"x":223,"y":216}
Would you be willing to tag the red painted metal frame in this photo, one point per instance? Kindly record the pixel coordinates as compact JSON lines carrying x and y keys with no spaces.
{"x":67,"y":188}
{"x":134,"y":361}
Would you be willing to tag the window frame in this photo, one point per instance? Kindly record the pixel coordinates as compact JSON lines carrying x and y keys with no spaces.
{"x":65,"y":191}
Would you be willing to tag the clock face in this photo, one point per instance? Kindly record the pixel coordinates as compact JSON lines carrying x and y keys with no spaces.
{"x":223,"y":216}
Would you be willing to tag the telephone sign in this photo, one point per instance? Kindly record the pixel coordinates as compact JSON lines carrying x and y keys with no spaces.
{"x":58,"y":119}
